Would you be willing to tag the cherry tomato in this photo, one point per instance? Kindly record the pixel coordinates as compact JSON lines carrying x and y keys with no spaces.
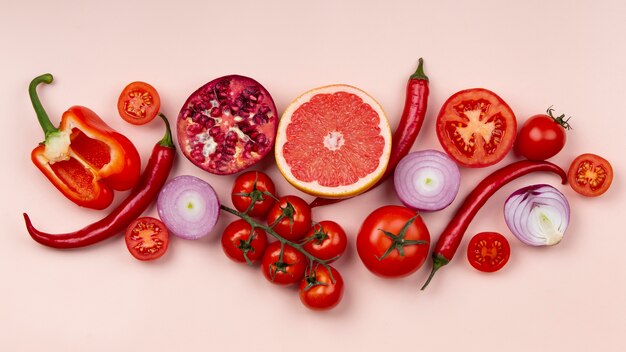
{"x":147,"y":238}
{"x":286,"y":271}
{"x":590,"y":175}
{"x":542,"y":136}
{"x":393,"y":241}
{"x":476,"y":127}
{"x":237,"y":245}
{"x":326,"y":240}
{"x":290,"y":217}
{"x":318,"y":291}
{"x":488,"y":251}
{"x":253,"y":185}
{"x":139,"y":103}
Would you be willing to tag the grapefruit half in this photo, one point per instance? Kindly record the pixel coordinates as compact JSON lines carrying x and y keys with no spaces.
{"x":333,"y":142}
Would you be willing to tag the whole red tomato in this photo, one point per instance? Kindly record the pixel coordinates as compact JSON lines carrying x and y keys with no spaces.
{"x":237,"y":245}
{"x":286,"y":271}
{"x":326,"y":240}
{"x":290,"y":217}
{"x":257,"y":186}
{"x":393,"y":241}
{"x":318,"y":291}
{"x":542,"y":136}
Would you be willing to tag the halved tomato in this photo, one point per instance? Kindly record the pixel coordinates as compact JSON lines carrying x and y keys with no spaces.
{"x":488,"y":251}
{"x":139,"y":103}
{"x":590,"y":175}
{"x":476,"y":127}
{"x":147,"y":238}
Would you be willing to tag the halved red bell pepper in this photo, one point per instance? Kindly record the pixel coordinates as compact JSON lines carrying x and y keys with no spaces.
{"x":84,"y":158}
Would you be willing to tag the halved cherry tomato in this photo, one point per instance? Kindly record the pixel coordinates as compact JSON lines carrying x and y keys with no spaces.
{"x":590,"y":175}
{"x":488,"y":251}
{"x":542,"y":136}
{"x":326,"y":240}
{"x":287,"y":270}
{"x":290,"y":217}
{"x":253,"y":185}
{"x":393,"y":241}
{"x":476,"y":127}
{"x":318,"y":291}
{"x":147,"y":238}
{"x":139,"y":103}
{"x":237,"y":244}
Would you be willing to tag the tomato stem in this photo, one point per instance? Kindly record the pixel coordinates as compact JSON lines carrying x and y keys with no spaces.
{"x":283,"y":241}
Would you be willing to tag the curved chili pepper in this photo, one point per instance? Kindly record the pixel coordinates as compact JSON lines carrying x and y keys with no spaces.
{"x":150,"y":183}
{"x":451,"y":237}
{"x":84,"y":158}
{"x":415,"y":105}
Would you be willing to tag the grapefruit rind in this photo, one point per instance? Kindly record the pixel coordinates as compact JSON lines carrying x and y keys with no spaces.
{"x":314,"y":188}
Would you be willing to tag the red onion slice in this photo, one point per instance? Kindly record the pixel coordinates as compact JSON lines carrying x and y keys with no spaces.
{"x":189,"y":207}
{"x":427,"y":180}
{"x":537,"y":215}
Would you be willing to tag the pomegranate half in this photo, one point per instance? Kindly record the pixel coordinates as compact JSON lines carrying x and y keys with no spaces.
{"x":227,"y":125}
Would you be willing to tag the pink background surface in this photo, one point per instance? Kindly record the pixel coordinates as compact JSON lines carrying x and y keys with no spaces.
{"x":534,"y":54}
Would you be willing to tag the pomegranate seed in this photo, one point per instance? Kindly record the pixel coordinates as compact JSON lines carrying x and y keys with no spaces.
{"x":193,"y":130}
{"x":229,"y":150}
{"x":231,"y":136}
{"x":197,"y":156}
{"x":209,"y":123}
{"x":261,"y":138}
{"x":264,"y":110}
{"x":248,"y":146}
{"x":215,"y":131}
{"x":216,"y":112}
{"x":259,"y":119}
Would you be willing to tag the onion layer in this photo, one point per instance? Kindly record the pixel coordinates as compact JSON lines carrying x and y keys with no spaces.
{"x":188,"y":206}
{"x":427,"y":180}
{"x":537,"y":215}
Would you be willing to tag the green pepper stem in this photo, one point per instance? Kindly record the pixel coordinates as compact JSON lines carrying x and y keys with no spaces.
{"x":438,"y":262}
{"x":167,"y":139}
{"x":42,"y":116}
{"x":419,"y":73}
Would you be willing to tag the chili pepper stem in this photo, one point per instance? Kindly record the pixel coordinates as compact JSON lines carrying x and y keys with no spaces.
{"x":419,"y":73}
{"x":42,"y":116}
{"x":438,"y":262}
{"x":167,"y":138}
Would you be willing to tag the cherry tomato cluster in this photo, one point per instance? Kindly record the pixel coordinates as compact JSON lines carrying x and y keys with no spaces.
{"x":302,"y":250}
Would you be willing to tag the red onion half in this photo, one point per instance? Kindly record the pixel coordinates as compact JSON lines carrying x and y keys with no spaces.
{"x":189,"y":207}
{"x":427,"y":180}
{"x":537,"y":215}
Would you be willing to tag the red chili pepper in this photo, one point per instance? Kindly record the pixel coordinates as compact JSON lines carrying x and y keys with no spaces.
{"x":415,"y":105}
{"x":150,"y":183}
{"x":451,"y":237}
{"x":84,"y":158}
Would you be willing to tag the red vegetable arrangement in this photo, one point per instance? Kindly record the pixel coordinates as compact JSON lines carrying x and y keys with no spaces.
{"x":230,"y":124}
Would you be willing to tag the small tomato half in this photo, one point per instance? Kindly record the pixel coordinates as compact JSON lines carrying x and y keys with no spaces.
{"x":139,"y":103}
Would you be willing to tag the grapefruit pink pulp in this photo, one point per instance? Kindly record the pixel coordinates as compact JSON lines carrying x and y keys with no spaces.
{"x":333,"y":141}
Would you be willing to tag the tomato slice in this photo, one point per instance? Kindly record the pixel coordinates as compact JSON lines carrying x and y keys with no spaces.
{"x":139,"y":103}
{"x":590,"y":175}
{"x":147,"y":238}
{"x":488,"y":251}
{"x":476,"y":127}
